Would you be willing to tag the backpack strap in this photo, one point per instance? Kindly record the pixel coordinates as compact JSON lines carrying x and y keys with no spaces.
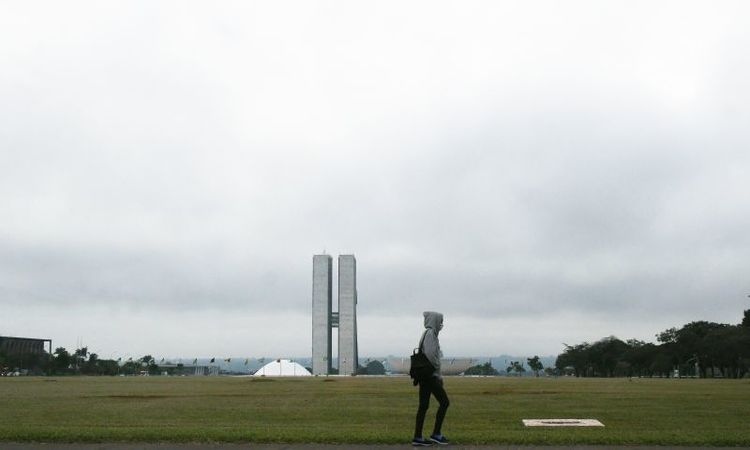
{"x":421,"y":341}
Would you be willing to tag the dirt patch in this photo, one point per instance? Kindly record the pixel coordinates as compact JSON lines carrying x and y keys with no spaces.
{"x":130,"y":396}
{"x":516,"y":392}
{"x":499,"y":392}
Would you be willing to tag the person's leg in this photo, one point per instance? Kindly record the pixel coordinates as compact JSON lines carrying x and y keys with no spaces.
{"x":424,"y":403}
{"x":439,"y":392}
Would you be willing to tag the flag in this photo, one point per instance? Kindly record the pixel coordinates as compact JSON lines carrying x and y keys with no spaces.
{"x":213,"y":359}
{"x":247,"y":360}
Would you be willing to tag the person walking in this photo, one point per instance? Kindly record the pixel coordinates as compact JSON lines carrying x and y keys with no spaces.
{"x":433,"y":385}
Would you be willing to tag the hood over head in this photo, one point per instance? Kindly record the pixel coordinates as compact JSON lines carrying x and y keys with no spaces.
{"x":433,"y":320}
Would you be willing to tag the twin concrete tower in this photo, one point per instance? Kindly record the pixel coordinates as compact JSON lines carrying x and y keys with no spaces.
{"x":324,"y":320}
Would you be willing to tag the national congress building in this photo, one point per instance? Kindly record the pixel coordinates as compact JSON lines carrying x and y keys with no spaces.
{"x":324,"y":319}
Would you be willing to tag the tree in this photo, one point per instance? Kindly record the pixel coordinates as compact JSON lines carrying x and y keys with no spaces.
{"x":726,"y":345}
{"x":517,"y":367}
{"x":79,"y":357}
{"x":90,"y":367}
{"x":150,"y":363}
{"x":696,"y":347}
{"x":693,"y":341}
{"x":131,"y":367}
{"x":375,"y":368}
{"x":104,"y":366}
{"x":661,"y":365}
{"x":575,"y":358}
{"x":667,"y":336}
{"x":535,"y":365}
{"x":485,"y":369}
{"x":605,"y":355}
{"x":640,"y":356}
{"x":62,"y":359}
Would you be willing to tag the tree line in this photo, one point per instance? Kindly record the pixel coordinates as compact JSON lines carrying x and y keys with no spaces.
{"x":514,"y":368}
{"x":700,"y":349}
{"x":79,"y":362}
{"x":83,"y":362}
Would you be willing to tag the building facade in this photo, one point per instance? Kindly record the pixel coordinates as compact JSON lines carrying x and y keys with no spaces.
{"x":348,"y":358}
{"x":321,"y":314}
{"x":11,"y":345}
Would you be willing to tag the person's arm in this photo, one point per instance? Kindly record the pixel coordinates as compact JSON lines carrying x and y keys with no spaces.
{"x":431,"y":349}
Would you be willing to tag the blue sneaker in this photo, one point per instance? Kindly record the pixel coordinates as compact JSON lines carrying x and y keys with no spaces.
{"x":420,"y":442}
{"x":439,"y":439}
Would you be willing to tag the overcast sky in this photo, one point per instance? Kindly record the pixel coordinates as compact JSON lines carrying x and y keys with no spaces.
{"x":540,"y":172}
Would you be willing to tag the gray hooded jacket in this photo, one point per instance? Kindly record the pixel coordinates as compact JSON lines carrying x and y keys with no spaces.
{"x":433,"y":322}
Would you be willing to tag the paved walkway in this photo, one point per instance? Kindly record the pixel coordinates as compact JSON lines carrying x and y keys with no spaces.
{"x":147,"y":446}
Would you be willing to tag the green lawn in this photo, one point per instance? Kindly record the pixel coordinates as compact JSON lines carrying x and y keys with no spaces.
{"x":371,"y":410}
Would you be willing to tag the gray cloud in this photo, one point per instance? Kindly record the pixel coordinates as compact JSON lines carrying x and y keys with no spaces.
{"x":496,"y":162}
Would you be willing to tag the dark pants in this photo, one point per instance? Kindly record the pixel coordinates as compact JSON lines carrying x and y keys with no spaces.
{"x":432,"y":386}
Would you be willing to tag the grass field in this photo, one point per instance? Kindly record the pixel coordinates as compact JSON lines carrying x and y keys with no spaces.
{"x":371,"y":410}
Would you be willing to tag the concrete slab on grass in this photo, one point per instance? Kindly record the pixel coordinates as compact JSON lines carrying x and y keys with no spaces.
{"x":562,"y":423}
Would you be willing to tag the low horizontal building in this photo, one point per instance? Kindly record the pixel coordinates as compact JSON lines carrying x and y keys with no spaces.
{"x":448,"y":366}
{"x":189,"y":369}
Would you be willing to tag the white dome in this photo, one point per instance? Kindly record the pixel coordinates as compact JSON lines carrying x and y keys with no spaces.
{"x":282,"y":368}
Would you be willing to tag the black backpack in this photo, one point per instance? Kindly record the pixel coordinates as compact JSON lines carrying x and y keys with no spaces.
{"x":421,"y":367}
